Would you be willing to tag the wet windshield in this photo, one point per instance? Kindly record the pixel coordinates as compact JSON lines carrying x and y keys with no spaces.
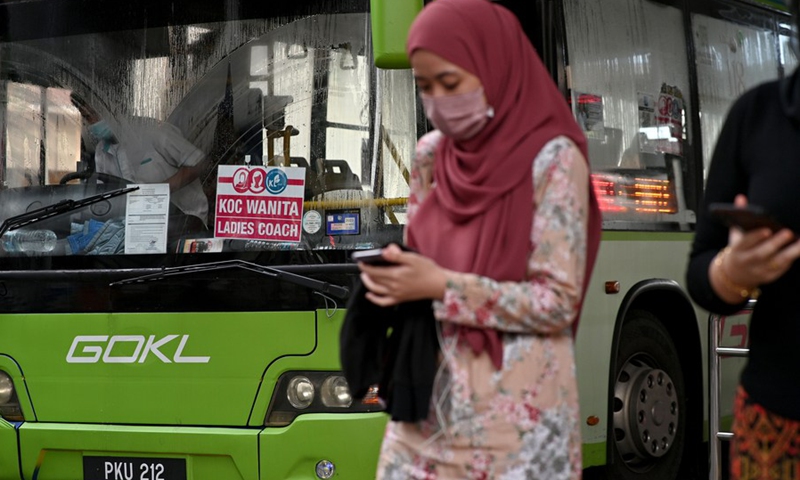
{"x":245,"y":135}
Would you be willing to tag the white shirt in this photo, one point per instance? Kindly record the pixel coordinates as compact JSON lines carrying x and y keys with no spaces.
{"x":152,"y":154}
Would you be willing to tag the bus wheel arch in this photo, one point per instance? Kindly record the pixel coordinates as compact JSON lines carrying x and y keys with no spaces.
{"x":656,"y":343}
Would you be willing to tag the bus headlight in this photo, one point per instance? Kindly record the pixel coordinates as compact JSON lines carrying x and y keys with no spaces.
{"x":335,"y":392}
{"x":9,"y":403}
{"x":300,"y":393}
{"x":6,"y":388}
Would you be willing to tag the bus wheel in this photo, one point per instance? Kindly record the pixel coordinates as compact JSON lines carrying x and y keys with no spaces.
{"x":648,"y":403}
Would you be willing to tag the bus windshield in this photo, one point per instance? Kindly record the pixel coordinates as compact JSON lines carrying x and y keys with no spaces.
{"x":247,"y":134}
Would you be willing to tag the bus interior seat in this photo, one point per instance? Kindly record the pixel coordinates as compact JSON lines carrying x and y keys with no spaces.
{"x":336,"y":175}
{"x":339,"y":184}
{"x":298,"y":162}
{"x":313,"y":187}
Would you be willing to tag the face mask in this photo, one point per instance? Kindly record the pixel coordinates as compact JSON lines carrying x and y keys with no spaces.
{"x":459,"y":117}
{"x":101,"y":131}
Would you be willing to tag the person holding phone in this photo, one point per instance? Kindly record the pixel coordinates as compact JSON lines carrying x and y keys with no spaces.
{"x":504,"y":227}
{"x":756,"y":162}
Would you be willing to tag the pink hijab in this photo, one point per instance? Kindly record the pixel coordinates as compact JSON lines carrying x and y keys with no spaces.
{"x":478,"y":219}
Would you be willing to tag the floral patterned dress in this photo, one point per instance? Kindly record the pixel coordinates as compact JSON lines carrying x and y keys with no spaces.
{"x":520,"y":422}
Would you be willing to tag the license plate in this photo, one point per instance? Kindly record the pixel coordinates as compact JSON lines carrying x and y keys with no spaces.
{"x":133,"y":468}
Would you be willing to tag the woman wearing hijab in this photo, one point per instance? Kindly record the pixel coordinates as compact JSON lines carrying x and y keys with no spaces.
{"x":506,"y":227}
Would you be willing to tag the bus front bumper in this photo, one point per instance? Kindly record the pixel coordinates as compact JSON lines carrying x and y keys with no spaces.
{"x":50,"y":451}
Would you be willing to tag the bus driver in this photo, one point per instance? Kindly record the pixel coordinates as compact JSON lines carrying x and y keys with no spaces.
{"x":151,"y":152}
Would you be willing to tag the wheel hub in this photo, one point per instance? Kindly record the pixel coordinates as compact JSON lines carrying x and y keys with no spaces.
{"x":645,"y":413}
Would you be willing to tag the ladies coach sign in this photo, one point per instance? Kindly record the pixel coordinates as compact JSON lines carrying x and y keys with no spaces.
{"x":258,"y":203}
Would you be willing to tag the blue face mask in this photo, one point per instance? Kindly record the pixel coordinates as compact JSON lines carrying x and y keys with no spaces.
{"x":101,"y":131}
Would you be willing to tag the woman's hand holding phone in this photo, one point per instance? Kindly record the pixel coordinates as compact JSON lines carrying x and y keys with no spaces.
{"x":396,"y":276}
{"x":759,"y":250}
{"x":746,"y":217}
{"x":370,"y":257}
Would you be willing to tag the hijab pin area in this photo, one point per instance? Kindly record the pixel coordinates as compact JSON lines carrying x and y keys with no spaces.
{"x":490,"y":112}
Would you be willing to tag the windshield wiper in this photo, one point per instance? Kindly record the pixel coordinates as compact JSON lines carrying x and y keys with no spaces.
{"x":276,"y":273}
{"x":64,"y":206}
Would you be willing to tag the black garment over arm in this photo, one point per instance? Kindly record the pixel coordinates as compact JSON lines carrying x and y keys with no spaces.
{"x":394,"y":347}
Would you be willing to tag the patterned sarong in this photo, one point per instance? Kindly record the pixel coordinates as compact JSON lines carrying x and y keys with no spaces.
{"x":765,"y":446}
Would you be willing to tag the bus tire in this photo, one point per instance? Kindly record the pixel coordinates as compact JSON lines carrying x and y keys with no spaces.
{"x":648,"y":403}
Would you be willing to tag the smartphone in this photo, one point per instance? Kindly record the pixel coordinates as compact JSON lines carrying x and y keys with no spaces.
{"x":746,"y":218}
{"x":370,"y":257}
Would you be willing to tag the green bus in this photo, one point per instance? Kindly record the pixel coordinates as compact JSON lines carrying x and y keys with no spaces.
{"x":182,"y":183}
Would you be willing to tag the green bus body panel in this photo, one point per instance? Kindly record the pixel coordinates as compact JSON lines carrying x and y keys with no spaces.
{"x":391,"y":20}
{"x":598,"y":318}
{"x":593,"y":454}
{"x":324,"y":358}
{"x":628,"y":258}
{"x":685,"y":237}
{"x":596,"y":327}
{"x":275,"y":342}
{"x":9,"y":463}
{"x":239,"y":347}
{"x":352,"y":442}
{"x":55,"y":451}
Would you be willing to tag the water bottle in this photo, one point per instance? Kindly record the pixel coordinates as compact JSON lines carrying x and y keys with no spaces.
{"x":33,"y":241}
